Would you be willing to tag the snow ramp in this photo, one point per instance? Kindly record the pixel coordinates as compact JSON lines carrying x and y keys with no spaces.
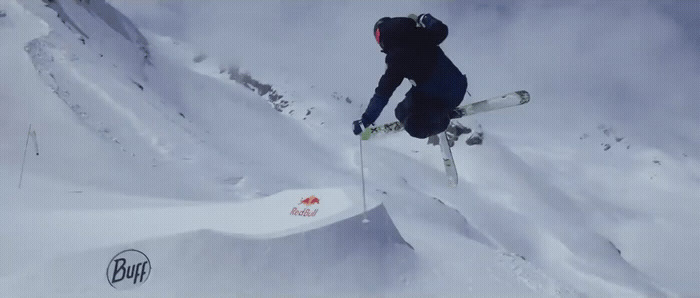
{"x":301,"y":242}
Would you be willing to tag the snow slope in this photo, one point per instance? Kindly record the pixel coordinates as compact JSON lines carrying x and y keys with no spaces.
{"x":148,"y":143}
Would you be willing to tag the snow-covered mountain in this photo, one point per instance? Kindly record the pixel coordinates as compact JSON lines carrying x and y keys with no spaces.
{"x":214,"y":138}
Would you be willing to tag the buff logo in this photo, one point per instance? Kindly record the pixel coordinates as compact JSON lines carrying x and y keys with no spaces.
{"x":306,"y":212}
{"x":128,"y":269}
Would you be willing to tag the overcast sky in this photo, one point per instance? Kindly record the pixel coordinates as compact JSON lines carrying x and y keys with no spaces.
{"x":632,"y":65}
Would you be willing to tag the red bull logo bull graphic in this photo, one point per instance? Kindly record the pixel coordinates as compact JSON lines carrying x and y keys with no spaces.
{"x":306,"y":212}
{"x":310,"y":201}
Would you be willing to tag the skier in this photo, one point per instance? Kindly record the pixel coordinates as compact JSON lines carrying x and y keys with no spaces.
{"x":412,"y":51}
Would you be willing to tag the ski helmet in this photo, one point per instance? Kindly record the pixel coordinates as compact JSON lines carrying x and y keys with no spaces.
{"x":376,"y":31}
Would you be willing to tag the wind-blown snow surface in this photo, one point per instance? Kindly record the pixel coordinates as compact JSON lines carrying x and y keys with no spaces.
{"x":146,"y":143}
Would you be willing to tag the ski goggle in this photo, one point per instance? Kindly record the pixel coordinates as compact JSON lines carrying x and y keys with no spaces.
{"x":377,"y":35}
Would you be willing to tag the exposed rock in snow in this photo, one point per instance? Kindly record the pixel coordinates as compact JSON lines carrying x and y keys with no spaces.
{"x":262,"y":89}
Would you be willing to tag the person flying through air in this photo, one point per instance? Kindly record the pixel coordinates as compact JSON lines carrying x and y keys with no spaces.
{"x":411,"y":45}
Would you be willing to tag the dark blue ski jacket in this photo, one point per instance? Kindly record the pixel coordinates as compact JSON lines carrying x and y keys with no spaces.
{"x":413,"y":52}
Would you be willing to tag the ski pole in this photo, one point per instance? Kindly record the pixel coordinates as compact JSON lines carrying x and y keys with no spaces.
{"x":24,"y":157}
{"x":362,"y":169}
{"x":36,"y":143}
{"x":364,"y":199}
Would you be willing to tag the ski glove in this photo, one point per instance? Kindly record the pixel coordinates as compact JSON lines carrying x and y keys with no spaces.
{"x":357,"y":126}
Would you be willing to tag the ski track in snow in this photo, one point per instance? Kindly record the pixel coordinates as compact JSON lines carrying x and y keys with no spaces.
{"x":208,"y":194}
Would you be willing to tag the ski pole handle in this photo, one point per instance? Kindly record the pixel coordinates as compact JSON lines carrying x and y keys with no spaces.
{"x":357,"y":127}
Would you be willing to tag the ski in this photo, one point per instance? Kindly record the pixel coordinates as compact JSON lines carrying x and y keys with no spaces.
{"x":450,"y":168}
{"x":495,"y":103}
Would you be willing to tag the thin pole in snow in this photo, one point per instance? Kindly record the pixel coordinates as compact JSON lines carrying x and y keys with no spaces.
{"x":362,"y":169}
{"x":24,"y":158}
{"x":36,"y":143}
{"x":364,"y":199}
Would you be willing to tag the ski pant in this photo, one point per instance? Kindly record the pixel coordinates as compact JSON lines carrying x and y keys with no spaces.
{"x":426,"y":109}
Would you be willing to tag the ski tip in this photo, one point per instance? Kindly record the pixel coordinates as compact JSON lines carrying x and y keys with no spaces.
{"x":524,"y":96}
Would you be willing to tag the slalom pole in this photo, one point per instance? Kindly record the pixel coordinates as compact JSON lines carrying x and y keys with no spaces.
{"x":24,"y":158}
{"x":36,"y":143}
{"x":364,"y":199}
